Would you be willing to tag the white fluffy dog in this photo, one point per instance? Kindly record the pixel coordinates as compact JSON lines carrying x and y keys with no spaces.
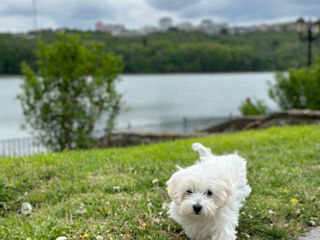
{"x":208,"y":195}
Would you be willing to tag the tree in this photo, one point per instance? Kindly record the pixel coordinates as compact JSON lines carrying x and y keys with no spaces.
{"x":258,"y":107}
{"x":74,"y":85}
{"x":299,"y":88}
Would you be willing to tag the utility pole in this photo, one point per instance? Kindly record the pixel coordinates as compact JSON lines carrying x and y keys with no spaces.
{"x":34,"y":13}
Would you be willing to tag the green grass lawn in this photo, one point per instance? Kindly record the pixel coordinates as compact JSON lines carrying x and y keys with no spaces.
{"x":110,"y":193}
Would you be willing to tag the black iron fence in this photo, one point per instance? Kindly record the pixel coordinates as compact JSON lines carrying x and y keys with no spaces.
{"x":29,"y":146}
{"x":185,"y":125}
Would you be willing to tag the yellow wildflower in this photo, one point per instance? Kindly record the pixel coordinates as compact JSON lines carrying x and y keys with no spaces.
{"x":144,"y":225}
{"x":85,"y":235}
{"x":294,"y":200}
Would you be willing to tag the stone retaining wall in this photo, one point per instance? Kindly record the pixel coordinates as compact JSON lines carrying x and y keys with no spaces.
{"x":289,"y":117}
{"x":136,"y":138}
{"x":233,"y":125}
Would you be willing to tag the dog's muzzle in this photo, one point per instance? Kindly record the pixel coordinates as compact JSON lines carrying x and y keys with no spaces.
{"x":197,"y":208}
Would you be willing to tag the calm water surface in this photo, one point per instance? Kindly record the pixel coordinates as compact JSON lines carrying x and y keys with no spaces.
{"x":154,"y":98}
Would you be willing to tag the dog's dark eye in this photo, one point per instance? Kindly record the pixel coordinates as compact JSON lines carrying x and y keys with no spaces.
{"x":189,"y":191}
{"x":209,"y":193}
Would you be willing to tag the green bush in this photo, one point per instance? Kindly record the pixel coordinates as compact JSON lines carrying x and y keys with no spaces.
{"x":258,"y":107}
{"x":73,"y":86}
{"x":299,"y":88}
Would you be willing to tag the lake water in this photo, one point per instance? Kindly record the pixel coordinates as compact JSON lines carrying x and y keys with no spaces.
{"x":154,"y":98}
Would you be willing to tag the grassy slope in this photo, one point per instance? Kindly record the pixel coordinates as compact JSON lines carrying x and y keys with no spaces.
{"x":283,"y":163}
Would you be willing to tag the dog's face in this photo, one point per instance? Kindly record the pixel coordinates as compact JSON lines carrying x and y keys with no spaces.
{"x":198,"y":192}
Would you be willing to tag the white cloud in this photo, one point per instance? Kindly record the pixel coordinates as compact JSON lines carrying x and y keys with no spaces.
{"x":22,"y":23}
{"x":16,"y":15}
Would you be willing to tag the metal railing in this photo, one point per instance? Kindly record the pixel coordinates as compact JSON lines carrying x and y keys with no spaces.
{"x":21,"y":147}
{"x":186,"y":125}
{"x":29,"y":146}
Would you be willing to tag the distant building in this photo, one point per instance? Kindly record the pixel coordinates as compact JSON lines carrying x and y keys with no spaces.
{"x":99,"y":26}
{"x":117,"y":29}
{"x":289,"y":26}
{"x":150,"y":30}
{"x":185,"y":26}
{"x":260,"y":28}
{"x":239,"y":30}
{"x":208,"y":26}
{"x":130,"y":33}
{"x":165,"y":23}
{"x":114,"y":29}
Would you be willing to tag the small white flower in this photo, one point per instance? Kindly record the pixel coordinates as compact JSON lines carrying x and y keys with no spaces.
{"x":81,"y":209}
{"x":313,"y":223}
{"x":271,"y":212}
{"x":154,"y":181}
{"x":26,"y":208}
{"x":62,"y":238}
{"x":246,"y":235}
{"x":165,"y":205}
{"x":116,"y":188}
{"x":160,"y":213}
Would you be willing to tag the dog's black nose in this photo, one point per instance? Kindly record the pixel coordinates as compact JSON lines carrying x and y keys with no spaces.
{"x":197,"y":208}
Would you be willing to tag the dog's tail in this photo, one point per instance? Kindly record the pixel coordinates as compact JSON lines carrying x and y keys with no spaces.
{"x":204,"y":153}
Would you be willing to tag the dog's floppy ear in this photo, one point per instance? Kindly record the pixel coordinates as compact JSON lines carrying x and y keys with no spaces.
{"x":173,"y":184}
{"x":224,"y":192}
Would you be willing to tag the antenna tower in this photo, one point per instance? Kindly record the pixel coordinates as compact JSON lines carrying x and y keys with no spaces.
{"x":34,"y":13}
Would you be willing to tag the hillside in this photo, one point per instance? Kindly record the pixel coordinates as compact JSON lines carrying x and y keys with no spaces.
{"x":112,"y":193}
{"x":175,"y":51}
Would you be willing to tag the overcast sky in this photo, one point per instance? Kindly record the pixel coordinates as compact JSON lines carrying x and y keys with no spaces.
{"x":16,"y":15}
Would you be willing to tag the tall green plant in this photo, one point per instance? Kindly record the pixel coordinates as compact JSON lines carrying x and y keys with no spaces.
{"x":257,"y":107}
{"x":71,"y":89}
{"x":299,"y":88}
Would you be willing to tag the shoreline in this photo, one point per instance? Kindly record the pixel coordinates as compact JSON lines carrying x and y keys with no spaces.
{"x":171,"y":73}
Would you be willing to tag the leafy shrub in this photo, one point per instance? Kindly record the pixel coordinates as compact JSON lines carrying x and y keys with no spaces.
{"x":73,"y":86}
{"x":299,"y":88}
{"x":258,"y":107}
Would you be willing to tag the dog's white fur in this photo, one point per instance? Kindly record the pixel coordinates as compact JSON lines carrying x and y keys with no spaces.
{"x":216,"y":183}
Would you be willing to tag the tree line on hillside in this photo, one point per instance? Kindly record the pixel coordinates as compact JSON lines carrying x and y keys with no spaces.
{"x":174,"y":51}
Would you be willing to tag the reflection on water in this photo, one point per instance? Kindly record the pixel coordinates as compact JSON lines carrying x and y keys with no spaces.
{"x":153,"y":98}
